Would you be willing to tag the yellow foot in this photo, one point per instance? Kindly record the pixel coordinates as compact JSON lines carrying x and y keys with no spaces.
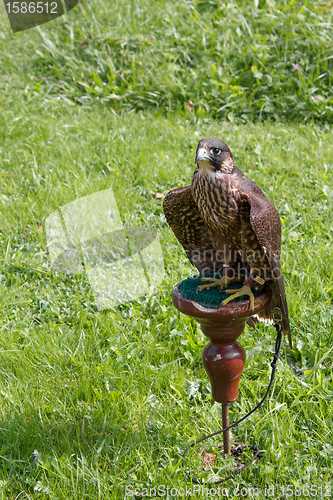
{"x":245,"y":290}
{"x":222,"y":282}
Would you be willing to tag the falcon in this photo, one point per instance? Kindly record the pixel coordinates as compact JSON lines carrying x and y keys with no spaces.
{"x":230,"y":230}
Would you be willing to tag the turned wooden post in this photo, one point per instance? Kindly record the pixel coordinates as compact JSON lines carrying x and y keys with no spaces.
{"x":223,"y":357}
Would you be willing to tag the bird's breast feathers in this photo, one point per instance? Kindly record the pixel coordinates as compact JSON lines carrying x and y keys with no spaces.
{"x":214,"y":193}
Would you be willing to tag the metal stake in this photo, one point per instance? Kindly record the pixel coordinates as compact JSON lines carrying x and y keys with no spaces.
{"x":225,"y":423}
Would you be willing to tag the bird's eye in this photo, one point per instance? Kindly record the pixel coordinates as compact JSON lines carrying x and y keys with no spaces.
{"x":215,"y":151}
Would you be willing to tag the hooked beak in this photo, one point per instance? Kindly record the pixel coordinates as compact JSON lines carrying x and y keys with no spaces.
{"x":202,"y":155}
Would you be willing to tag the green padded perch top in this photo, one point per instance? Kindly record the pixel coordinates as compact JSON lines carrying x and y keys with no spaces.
{"x":214,"y":296}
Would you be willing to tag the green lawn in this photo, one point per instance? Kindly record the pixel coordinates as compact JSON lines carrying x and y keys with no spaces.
{"x":112,"y":398}
{"x":240,"y":60}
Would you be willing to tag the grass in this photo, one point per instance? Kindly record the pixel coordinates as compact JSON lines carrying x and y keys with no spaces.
{"x":234,"y":60}
{"x":112,"y":398}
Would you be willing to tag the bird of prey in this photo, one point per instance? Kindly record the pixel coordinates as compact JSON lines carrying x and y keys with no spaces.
{"x":229,"y":229}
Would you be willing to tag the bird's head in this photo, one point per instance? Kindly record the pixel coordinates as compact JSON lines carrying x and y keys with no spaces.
{"x":214,"y":155}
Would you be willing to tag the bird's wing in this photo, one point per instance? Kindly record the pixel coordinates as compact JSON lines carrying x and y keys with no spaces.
{"x":189,"y":228}
{"x":266,"y":224}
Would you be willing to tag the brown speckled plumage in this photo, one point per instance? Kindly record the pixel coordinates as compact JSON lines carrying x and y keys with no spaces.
{"x":225,"y":214}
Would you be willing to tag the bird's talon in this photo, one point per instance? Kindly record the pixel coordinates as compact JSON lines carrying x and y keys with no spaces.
{"x":221,"y":282}
{"x":245,"y":290}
